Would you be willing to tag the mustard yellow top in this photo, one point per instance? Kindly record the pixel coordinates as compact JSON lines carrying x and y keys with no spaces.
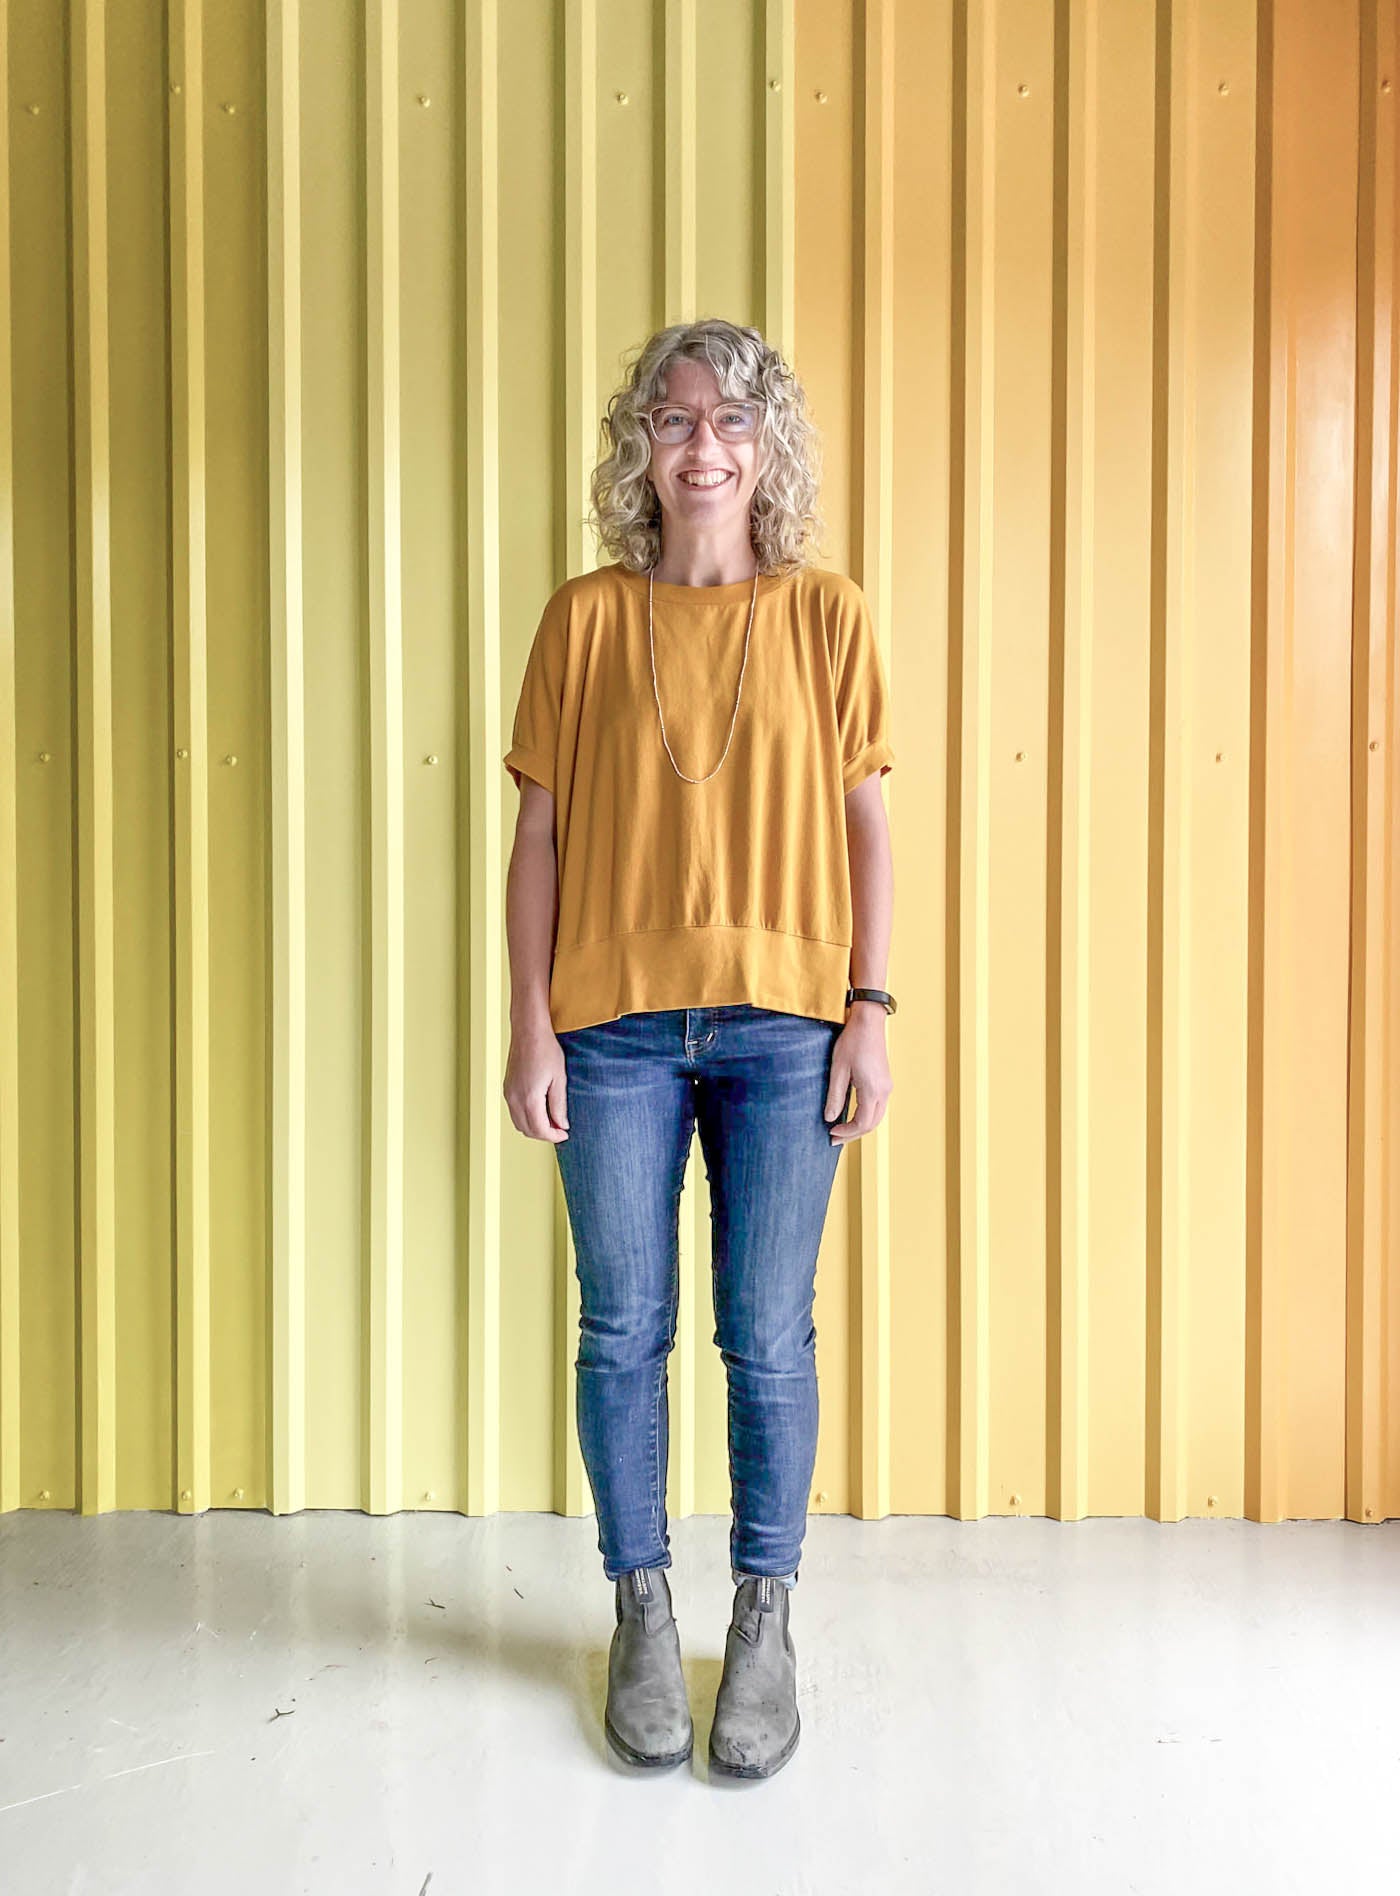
{"x":677,"y":894}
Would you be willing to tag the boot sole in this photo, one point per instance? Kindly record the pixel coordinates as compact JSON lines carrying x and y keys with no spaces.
{"x":651,"y":1761}
{"x":725,"y":1769}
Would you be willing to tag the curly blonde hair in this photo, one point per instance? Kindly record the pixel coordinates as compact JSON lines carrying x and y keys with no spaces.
{"x":625,"y":512}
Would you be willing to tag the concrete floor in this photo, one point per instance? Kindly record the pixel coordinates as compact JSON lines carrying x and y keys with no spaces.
{"x":336,"y":1704}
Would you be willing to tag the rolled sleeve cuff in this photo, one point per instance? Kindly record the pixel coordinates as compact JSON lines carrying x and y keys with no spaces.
{"x":877,"y":756}
{"x":520,"y":762}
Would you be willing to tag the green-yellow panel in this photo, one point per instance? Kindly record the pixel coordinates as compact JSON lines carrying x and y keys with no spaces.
{"x":437,"y":720}
{"x":236,"y":502}
{"x":45,"y":766}
{"x":337,"y":751}
{"x":10,"y":1494}
{"x":142,"y":764}
{"x":631,"y":180}
{"x":288,"y":973}
{"x":537,"y":503}
{"x":729,"y":74}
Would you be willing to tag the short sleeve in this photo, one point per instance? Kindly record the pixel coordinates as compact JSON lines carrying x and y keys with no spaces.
{"x":535,"y":733}
{"x":862,"y":697}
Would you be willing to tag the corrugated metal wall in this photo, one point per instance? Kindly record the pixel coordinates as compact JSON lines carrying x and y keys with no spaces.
{"x":310,"y":311}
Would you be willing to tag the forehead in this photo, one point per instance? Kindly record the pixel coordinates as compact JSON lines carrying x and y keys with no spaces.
{"x":689,"y":381}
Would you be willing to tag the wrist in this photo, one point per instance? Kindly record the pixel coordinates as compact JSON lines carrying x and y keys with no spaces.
{"x":531,"y":1017}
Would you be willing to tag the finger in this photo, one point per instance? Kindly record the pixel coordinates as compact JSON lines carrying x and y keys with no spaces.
{"x":869,"y":1113}
{"x":540,"y":1127}
{"x":543,"y":1117}
{"x":838,"y":1094}
{"x":557,"y":1098}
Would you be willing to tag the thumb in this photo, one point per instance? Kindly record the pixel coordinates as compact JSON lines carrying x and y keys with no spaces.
{"x":558,"y":1102}
{"x":835,"y":1102}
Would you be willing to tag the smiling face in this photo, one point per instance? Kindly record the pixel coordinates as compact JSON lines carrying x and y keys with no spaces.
{"x":707,"y":504}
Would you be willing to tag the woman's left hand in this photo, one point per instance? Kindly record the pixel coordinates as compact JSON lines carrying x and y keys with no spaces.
{"x":858,"y":1059}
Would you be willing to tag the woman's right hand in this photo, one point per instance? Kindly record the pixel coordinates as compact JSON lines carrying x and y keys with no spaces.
{"x":535,"y":1085}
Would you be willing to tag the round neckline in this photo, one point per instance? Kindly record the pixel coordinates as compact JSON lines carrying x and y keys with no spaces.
{"x":729,"y":594}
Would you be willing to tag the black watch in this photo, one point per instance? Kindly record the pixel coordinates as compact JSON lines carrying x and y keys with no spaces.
{"x":870,"y":994}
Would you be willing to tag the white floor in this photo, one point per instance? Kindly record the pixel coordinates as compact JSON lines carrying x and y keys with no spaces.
{"x":335,"y":1704}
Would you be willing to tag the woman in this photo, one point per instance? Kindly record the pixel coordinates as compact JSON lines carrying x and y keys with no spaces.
{"x":701,"y":870}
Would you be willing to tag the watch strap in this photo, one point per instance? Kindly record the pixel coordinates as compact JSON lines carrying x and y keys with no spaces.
{"x":871,"y":994}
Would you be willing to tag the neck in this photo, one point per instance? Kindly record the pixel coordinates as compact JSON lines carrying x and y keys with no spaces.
{"x":704,"y":561}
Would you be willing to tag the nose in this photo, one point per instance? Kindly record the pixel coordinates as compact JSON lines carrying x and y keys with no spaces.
{"x":702,"y":421}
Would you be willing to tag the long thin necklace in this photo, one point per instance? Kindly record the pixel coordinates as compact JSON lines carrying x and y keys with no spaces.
{"x":651,"y":643}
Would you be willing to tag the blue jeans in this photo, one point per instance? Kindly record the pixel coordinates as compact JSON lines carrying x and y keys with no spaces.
{"x":755,"y":1080}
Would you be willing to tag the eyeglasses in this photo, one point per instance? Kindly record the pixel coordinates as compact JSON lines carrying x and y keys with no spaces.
{"x":674,"y":423}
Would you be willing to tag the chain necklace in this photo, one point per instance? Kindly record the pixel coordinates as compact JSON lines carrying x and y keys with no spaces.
{"x":651,"y":643}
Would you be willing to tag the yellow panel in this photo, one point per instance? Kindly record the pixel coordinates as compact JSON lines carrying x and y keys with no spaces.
{"x":1095,"y":309}
{"x":1373,"y":1153}
{"x":1296,"y":1428}
{"x":1198,"y":842}
{"x":869,"y":1177}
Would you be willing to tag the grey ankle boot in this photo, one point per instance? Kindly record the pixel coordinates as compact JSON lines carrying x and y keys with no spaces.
{"x":756,"y":1725}
{"x":648,"y":1714}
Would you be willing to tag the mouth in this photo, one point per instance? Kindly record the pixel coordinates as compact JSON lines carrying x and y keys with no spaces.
{"x":705,"y":478}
